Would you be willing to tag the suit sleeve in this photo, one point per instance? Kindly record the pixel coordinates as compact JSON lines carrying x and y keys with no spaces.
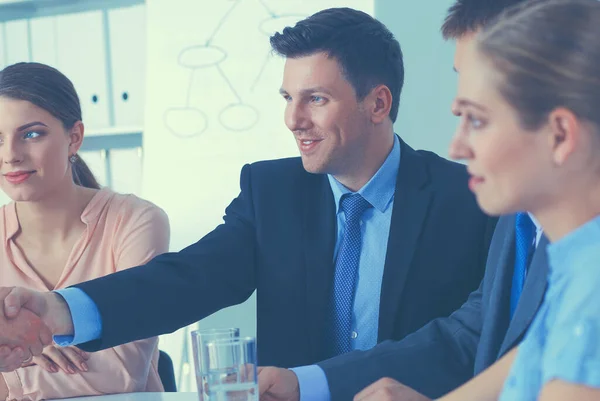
{"x":176,"y":289}
{"x":433,"y":360}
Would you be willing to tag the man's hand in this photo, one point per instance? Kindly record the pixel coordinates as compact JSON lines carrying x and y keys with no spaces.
{"x":27,"y":321}
{"x":276,"y":384}
{"x":389,"y":390}
{"x":49,"y":306}
{"x":21,"y":337}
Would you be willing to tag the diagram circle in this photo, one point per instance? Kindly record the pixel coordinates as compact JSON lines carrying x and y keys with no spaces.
{"x":201,"y":56}
{"x":239,"y":117}
{"x":185,"y":122}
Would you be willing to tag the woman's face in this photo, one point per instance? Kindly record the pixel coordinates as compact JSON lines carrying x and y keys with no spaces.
{"x":34,"y":151}
{"x":510,"y":167}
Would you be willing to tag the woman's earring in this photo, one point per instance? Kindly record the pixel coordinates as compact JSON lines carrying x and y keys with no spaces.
{"x":73,"y":158}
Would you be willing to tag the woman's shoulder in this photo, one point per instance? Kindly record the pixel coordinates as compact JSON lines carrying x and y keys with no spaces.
{"x":571,"y":347}
{"x":574,"y":293}
{"x":130,"y":201}
{"x":131,"y":208}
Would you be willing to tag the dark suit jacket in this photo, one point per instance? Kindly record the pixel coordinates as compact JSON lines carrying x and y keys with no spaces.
{"x":278,"y":238}
{"x":449,"y":351}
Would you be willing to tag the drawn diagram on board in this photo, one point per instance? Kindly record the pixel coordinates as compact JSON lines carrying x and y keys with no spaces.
{"x":274,"y":23}
{"x":207,"y":55}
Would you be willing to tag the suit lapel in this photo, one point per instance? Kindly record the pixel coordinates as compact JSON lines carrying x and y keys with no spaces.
{"x":499,"y":309}
{"x":531,"y":298}
{"x":411,"y":202}
{"x":319,"y":234}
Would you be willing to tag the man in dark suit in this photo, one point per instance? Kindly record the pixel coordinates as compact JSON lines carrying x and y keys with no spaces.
{"x":448,"y":351}
{"x":360,"y":240}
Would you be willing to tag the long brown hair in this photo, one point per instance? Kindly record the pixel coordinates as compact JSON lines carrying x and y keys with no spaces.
{"x":48,"y":89}
{"x":548,"y":56}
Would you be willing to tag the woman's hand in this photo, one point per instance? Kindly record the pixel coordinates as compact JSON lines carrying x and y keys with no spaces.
{"x":70,"y":359}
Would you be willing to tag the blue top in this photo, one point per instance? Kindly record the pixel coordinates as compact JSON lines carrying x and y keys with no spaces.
{"x":562,"y":342}
{"x":379,"y":191}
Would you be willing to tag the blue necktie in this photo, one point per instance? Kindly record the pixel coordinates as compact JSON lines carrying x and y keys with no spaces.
{"x":524,"y":234}
{"x":346,"y":272}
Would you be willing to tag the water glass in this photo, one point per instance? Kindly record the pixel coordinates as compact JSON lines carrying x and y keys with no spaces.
{"x":199,"y":337}
{"x":230,"y":369}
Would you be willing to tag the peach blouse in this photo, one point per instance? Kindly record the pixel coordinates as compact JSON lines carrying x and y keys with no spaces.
{"x":122,"y":231}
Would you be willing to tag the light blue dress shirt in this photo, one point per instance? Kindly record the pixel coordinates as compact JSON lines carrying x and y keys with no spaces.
{"x":87,"y":322}
{"x":562,"y":342}
{"x":375,"y":229}
{"x":379,"y":191}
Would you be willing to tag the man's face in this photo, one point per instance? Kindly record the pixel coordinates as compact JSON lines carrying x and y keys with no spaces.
{"x":329,"y":123}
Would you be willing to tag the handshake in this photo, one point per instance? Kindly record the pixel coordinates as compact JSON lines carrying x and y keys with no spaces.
{"x":28,"y":319}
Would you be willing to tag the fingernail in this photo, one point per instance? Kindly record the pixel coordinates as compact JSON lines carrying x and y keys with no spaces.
{"x":84,"y":366}
{"x":54,"y":368}
{"x":70,"y":369}
{"x":10,"y":310}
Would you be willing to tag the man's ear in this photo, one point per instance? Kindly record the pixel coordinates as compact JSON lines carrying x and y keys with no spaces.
{"x":380,"y":103}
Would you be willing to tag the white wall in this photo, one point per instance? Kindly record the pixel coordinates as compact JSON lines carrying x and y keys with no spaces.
{"x":424,"y":120}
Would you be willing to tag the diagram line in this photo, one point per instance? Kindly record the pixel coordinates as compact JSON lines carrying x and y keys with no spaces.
{"x":267,"y":8}
{"x":229,"y":83}
{"x":262,"y":69}
{"x":222,"y":22}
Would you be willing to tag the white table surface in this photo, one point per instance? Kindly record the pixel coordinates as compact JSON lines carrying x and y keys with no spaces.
{"x":142,"y":397}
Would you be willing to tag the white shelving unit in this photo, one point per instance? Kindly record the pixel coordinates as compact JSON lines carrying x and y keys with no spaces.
{"x":100,"y":45}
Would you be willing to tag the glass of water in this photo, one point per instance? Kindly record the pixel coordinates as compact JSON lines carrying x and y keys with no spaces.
{"x":230,"y":368}
{"x":199,"y":337}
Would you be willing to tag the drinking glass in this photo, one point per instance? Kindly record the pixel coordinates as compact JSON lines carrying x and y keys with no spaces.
{"x":229,"y":366}
{"x":200,"y":337}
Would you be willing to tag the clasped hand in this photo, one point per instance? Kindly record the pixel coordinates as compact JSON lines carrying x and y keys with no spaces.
{"x":23,"y":332}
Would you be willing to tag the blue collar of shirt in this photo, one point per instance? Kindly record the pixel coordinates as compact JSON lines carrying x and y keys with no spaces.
{"x":379,"y":191}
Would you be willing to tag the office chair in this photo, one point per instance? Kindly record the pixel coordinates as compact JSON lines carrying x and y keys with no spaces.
{"x":166,"y":372}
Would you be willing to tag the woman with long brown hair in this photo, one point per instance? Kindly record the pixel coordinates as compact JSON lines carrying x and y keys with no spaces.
{"x":62,"y":228}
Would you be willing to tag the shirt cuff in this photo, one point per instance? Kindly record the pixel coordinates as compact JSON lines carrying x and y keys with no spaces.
{"x":87,"y":323}
{"x":312,"y":383}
